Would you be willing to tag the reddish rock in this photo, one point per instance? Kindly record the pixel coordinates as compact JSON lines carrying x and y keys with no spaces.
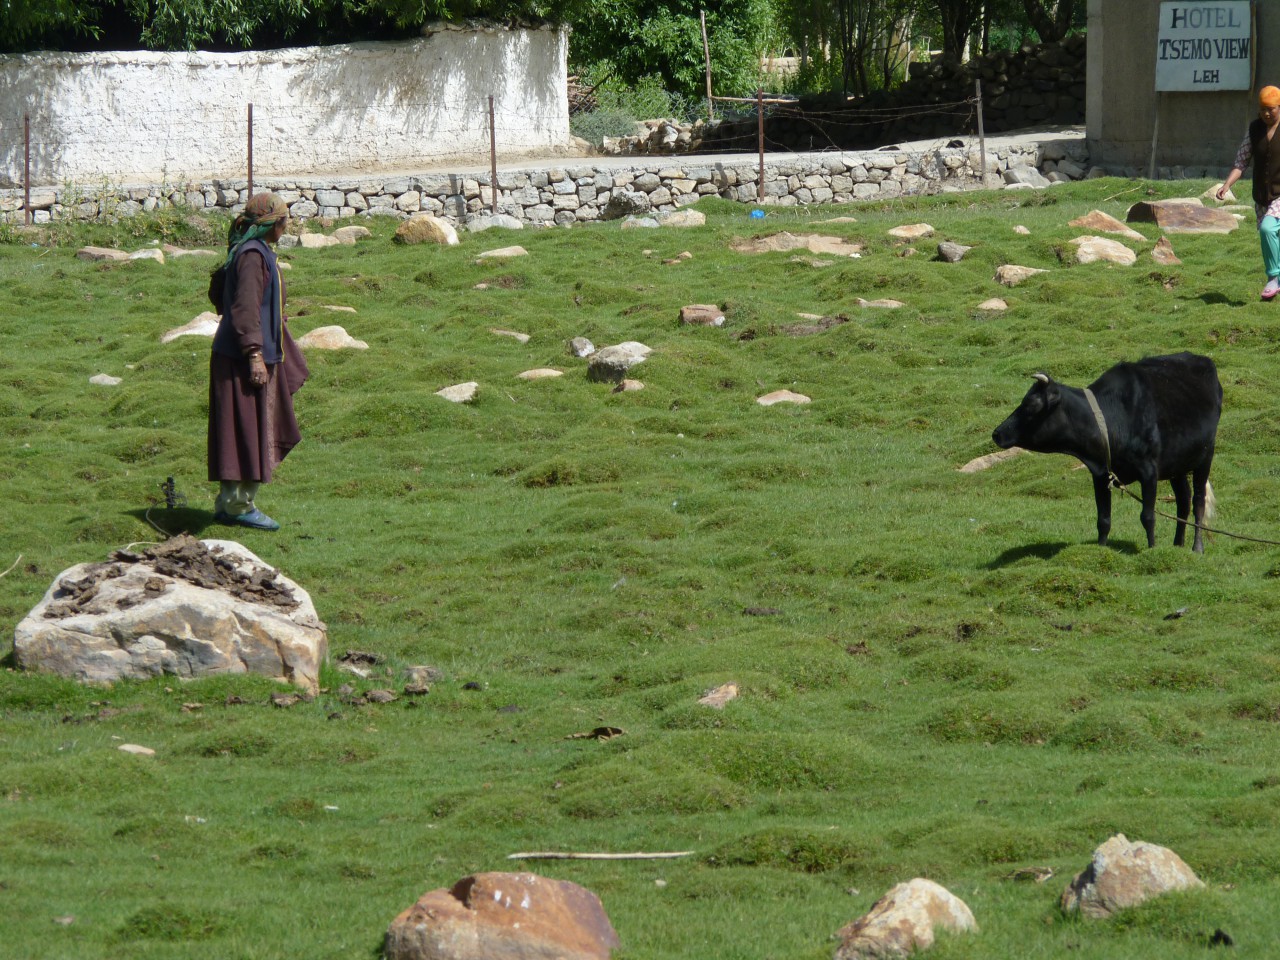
{"x":702,"y":315}
{"x":503,"y":916}
{"x":1105,"y":223}
{"x":1162,"y":253}
{"x":1182,"y":216}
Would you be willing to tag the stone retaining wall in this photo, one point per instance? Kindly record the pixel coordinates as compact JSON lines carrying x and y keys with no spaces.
{"x":582,"y":191}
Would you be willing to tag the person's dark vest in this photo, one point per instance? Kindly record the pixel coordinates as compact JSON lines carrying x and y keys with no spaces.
{"x":1266,"y":165}
{"x":269,"y":311}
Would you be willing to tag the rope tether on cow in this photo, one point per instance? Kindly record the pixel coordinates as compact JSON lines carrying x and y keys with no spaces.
{"x":1114,"y":481}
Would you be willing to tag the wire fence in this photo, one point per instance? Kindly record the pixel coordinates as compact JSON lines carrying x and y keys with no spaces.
{"x":236,"y":145}
{"x":232,"y":143}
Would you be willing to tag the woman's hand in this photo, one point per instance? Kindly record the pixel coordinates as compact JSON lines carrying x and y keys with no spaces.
{"x":257,"y":370}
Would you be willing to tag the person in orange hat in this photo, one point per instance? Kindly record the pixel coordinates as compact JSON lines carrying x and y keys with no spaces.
{"x":1258,"y":148}
{"x":255,"y":367}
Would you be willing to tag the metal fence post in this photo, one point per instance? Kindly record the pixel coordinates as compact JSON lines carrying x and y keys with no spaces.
{"x":250,"y":193}
{"x":493,"y":161}
{"x":760,"y":129}
{"x":26,"y":166}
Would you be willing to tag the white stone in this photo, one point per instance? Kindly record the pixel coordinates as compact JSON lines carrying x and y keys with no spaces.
{"x":460,"y":392}
{"x":912,"y":231}
{"x":503,"y":252}
{"x":150,"y":253}
{"x":683,"y":218}
{"x":136,"y":749}
{"x":501,"y":221}
{"x":995,"y":303}
{"x":349,"y":235}
{"x":904,"y":921}
{"x":317,"y":241}
{"x":202,"y":325}
{"x":105,"y":380}
{"x":782,"y":396}
{"x":540,"y":373}
{"x":1010,"y":274}
{"x":330,"y":338}
{"x":1093,"y":249}
{"x":518,"y":337}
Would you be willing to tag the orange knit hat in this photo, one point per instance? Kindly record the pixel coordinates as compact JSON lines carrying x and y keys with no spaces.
{"x":1269,"y":97}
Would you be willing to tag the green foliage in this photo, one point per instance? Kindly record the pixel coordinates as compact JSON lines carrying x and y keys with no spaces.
{"x":620,"y":106}
{"x":658,"y":38}
{"x":939,"y":674}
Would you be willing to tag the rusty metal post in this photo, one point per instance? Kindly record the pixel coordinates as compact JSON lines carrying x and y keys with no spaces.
{"x":982,"y":137}
{"x":706,"y":55}
{"x":250,"y":193}
{"x":26,"y":166}
{"x":760,"y":128}
{"x":493,"y":161}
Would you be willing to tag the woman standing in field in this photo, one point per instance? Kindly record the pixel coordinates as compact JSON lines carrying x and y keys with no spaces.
{"x":255,"y":367}
{"x":1259,"y":147}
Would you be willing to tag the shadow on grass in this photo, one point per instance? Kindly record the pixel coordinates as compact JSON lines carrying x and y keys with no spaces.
{"x":1047,"y":551}
{"x":175,"y":521}
{"x":1213,"y":298}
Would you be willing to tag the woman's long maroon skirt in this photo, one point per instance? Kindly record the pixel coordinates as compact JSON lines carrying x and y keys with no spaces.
{"x":251,"y":429}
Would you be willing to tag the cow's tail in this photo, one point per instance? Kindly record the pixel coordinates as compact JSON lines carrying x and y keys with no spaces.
{"x":1210,"y":501}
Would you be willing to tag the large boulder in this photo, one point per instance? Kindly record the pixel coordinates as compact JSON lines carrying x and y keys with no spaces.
{"x":904,"y":920}
{"x":187,"y":607}
{"x":1124,"y":874}
{"x":503,"y":916}
{"x":1182,"y":215}
{"x":424,"y":228}
{"x":1095,"y":249}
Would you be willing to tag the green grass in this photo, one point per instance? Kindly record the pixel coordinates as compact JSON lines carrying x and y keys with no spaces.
{"x":942,"y":675}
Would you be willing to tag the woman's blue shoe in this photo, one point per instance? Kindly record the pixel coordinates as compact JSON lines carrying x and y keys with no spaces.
{"x":255,"y":518}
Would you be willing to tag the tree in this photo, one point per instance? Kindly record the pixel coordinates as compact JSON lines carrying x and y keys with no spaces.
{"x":1051,"y":19}
{"x":958,"y":19}
{"x":871,"y":35}
{"x":663,"y":38}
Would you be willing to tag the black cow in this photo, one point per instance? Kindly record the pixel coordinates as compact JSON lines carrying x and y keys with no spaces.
{"x":1161,"y":420}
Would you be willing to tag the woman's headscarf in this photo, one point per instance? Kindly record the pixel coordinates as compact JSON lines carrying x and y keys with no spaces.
{"x":261,"y":213}
{"x":1269,"y":97}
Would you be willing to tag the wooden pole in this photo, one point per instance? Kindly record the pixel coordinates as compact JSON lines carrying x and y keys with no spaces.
{"x":493,"y":161}
{"x":250,"y":194}
{"x":982,"y":137}
{"x":760,"y":128}
{"x":706,"y":55}
{"x":26,"y":166}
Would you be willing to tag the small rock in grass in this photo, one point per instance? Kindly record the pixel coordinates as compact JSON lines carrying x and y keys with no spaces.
{"x":781,"y":396}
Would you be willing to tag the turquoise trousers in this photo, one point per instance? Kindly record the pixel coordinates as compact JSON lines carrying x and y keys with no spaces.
{"x":1269,"y":235}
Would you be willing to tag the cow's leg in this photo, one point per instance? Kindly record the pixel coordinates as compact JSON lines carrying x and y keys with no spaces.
{"x":1148,"y":514}
{"x":1182,"y":495}
{"x":1102,"y":497}
{"x":1200,"y":481}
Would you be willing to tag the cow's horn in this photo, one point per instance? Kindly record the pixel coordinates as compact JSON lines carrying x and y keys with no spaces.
{"x":1043,"y":378}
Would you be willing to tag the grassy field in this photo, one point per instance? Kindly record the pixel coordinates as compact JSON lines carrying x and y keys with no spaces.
{"x":941,"y":674}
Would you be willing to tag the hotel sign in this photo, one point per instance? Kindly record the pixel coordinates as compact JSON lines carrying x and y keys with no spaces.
{"x":1205,"y":46}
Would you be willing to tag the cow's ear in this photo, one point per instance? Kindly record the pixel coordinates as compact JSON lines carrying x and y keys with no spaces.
{"x":1052,"y":395}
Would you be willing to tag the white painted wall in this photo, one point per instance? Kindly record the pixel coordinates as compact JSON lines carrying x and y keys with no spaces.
{"x":144,"y":117}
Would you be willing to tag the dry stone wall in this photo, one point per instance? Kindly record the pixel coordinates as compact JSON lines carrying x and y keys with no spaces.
{"x":583,"y":191}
